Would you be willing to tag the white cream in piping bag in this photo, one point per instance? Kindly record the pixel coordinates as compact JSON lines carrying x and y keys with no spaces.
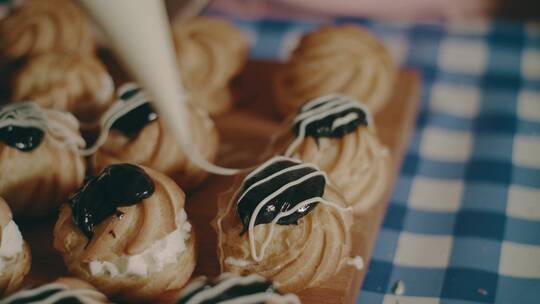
{"x":11,"y":244}
{"x":154,"y":259}
{"x":140,"y":34}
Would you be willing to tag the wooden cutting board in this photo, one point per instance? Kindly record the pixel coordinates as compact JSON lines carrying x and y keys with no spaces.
{"x":244,"y":133}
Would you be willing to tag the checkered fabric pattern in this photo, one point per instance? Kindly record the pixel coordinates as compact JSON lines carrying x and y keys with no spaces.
{"x":463,"y":225}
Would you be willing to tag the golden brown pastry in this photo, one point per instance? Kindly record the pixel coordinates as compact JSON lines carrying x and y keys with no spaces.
{"x":138,"y":136}
{"x":251,"y":289}
{"x":39,"y":160}
{"x":78,"y":83}
{"x":337,"y":133}
{"x":126,"y":232}
{"x":14,"y":253}
{"x":42,"y":26}
{"x":210,"y":52}
{"x":285,"y":223}
{"x":63,"y":290}
{"x":336,"y":60}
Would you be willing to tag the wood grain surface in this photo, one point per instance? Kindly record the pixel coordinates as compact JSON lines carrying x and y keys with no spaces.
{"x":244,"y":133}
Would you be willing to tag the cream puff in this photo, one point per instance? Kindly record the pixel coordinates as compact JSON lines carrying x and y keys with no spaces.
{"x":39,"y":160}
{"x":337,"y":133}
{"x":286,"y":223}
{"x":14,"y":253}
{"x":210,"y":52}
{"x":61,"y":291}
{"x":126,"y":232}
{"x":74,"y":82}
{"x":229,"y":288}
{"x":132,"y":132}
{"x":43,"y":26}
{"x":336,"y":60}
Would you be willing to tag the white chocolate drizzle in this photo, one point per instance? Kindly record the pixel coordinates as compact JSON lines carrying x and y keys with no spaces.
{"x":331,"y":104}
{"x":87,"y":296}
{"x":24,"y":115}
{"x":64,"y":134}
{"x":284,"y":212}
{"x":118,"y":109}
{"x":237,"y":262}
{"x":356,"y":262}
{"x":278,"y":173}
{"x":227,"y":281}
{"x":62,"y":129}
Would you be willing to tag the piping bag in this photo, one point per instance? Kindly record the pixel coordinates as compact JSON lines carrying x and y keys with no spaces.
{"x":140,"y":35}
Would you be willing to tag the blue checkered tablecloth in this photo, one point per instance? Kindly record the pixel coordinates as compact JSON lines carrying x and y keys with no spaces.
{"x":463,"y":225}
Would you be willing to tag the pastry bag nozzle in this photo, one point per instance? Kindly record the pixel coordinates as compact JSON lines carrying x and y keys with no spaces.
{"x":140,"y":35}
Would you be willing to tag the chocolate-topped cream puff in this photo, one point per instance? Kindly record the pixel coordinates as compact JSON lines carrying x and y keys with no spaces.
{"x":61,"y":291}
{"x":336,"y":60}
{"x":286,"y":223}
{"x":230,"y":288}
{"x":43,"y":26}
{"x":210,"y":52}
{"x":126,"y":232}
{"x":14,"y":253}
{"x":131,"y":131}
{"x":74,"y":82}
{"x":39,"y":160}
{"x":337,"y":133}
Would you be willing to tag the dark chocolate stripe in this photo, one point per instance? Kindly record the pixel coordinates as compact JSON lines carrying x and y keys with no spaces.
{"x":27,"y":134}
{"x":135,"y":120}
{"x":338,"y":107}
{"x":258,"y":186}
{"x":42,"y":293}
{"x":235,"y":291}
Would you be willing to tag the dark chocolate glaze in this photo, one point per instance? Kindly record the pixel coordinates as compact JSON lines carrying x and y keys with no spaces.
{"x":134,"y":121}
{"x":323,"y":127}
{"x":23,"y":139}
{"x":37,"y":296}
{"x":313,"y":187}
{"x":116,"y":186}
{"x":233,"y":292}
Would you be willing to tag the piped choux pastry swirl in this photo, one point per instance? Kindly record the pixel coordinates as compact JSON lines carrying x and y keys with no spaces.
{"x":285,"y":223}
{"x":38,"y":152}
{"x":138,"y":135}
{"x":126,"y":232}
{"x":344,"y":60}
{"x":210,"y":52}
{"x":43,"y":26}
{"x":78,"y":83}
{"x":337,"y":133}
{"x":14,"y":253}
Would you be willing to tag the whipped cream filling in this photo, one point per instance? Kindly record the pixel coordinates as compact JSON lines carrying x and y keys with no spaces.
{"x":11,"y":244}
{"x":154,"y":259}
